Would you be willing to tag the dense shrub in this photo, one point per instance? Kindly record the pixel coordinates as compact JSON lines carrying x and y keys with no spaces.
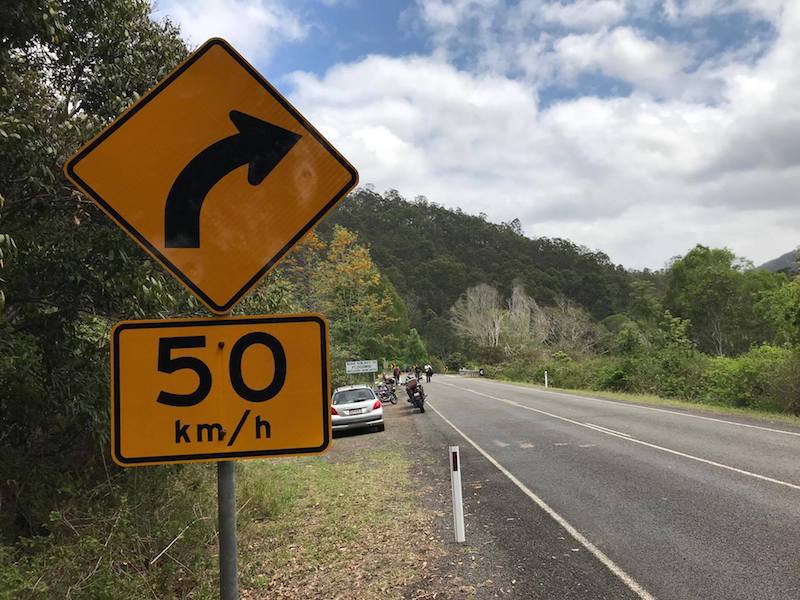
{"x":766,"y":377}
{"x":747,"y":380}
{"x":455,"y":361}
{"x":786,"y":385}
{"x":105,"y":542}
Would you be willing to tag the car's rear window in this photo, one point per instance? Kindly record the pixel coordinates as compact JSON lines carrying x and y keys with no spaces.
{"x":349,"y":396}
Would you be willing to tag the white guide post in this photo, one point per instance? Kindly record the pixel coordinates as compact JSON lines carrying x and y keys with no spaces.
{"x":458,"y":502}
{"x":545,"y":379}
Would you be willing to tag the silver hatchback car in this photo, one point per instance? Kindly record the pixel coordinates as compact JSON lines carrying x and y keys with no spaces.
{"x":356,"y":406}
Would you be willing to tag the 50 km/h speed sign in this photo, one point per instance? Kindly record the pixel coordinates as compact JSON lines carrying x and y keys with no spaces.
{"x":219,"y":389}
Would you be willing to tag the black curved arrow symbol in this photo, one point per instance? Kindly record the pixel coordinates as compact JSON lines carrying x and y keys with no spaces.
{"x":259,"y":144}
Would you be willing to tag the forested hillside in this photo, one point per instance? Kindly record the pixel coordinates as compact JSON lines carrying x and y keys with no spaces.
{"x":708,"y":327}
{"x":433,"y":254}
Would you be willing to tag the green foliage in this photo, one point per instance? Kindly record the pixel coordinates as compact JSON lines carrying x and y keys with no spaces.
{"x":105,"y":541}
{"x":719,"y":296}
{"x":750,"y":379}
{"x":338,"y":278}
{"x":780,"y":307}
{"x":67,"y":67}
{"x":437,"y":364}
{"x":766,"y":377}
{"x":455,"y":361}
{"x":433,"y":254}
{"x":414,"y":351}
{"x":645,"y":303}
{"x":347,"y":287}
{"x":439,"y":336}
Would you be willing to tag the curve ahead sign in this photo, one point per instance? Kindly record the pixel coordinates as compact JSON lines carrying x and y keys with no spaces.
{"x":214,"y":174}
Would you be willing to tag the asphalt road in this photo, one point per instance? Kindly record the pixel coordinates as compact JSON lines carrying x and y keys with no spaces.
{"x":671,"y":503}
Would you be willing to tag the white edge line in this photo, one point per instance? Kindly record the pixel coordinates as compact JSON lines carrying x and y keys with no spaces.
{"x":637,"y":441}
{"x":631,"y":583}
{"x":638,"y":406}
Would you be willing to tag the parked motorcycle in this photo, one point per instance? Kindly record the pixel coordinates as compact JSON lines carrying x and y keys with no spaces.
{"x":416,"y":394}
{"x":386,"y":393}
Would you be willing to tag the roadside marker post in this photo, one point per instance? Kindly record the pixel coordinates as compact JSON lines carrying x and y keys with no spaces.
{"x":458,"y":501}
{"x":545,"y":380}
{"x":216,"y":176}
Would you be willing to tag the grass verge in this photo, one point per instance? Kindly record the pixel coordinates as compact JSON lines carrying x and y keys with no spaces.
{"x":324,"y":529}
{"x":337,"y":526}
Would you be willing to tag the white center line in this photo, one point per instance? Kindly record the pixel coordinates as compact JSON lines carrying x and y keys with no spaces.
{"x":637,"y":441}
{"x":629,"y":581}
{"x":608,"y":429}
{"x":639,"y":407}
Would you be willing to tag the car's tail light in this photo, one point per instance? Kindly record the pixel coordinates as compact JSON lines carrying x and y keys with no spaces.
{"x":333,"y":411}
{"x":377,"y":405}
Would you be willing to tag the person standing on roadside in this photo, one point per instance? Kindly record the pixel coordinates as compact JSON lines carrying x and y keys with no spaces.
{"x":396,"y":373}
{"x":428,"y":373}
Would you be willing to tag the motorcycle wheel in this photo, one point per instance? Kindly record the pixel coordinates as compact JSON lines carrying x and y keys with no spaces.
{"x":422,"y":407}
{"x":393,"y":398}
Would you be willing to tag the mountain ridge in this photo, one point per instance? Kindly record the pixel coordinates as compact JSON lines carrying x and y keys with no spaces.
{"x":785,"y":262}
{"x":432,"y":254}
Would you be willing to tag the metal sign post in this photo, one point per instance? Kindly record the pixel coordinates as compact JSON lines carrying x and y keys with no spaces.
{"x":226,"y":514}
{"x":226,"y":529}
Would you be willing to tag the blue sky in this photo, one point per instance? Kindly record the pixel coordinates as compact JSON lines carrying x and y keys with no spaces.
{"x":346,"y":32}
{"x":636,"y":127}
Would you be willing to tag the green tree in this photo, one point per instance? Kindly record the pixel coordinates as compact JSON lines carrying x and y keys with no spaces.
{"x":347,"y":288}
{"x":718,"y":294}
{"x":440,"y":337}
{"x":67,"y":68}
{"x":414,"y":350}
{"x":780,"y":307}
{"x":645,"y":304}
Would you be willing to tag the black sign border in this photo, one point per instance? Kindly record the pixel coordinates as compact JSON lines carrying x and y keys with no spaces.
{"x":212,"y":456}
{"x":70,"y":166}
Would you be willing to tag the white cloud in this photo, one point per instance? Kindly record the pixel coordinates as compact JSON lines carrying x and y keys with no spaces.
{"x":254,"y":27}
{"x":678,"y":10}
{"x":625,"y":54}
{"x":642,"y":177}
{"x":582,"y":14}
{"x":557,"y":42}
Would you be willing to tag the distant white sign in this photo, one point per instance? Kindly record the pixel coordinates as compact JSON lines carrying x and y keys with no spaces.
{"x":361,"y":366}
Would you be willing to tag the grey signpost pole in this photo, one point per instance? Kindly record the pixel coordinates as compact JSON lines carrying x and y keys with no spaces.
{"x":226,"y":519}
{"x":226,"y":502}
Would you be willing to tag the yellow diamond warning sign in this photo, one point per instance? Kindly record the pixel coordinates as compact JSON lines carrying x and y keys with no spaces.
{"x":188,"y":390}
{"x":214,"y":174}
